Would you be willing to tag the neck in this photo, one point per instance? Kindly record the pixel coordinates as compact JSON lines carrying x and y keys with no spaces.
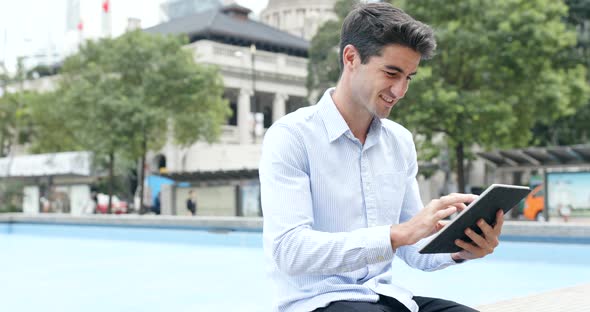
{"x":354,"y":113}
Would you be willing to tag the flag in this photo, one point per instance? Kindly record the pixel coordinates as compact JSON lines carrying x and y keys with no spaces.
{"x":106,"y":19}
{"x":105,"y":6}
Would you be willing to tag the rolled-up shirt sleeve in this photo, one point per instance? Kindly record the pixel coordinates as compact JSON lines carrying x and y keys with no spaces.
{"x":288,"y":216}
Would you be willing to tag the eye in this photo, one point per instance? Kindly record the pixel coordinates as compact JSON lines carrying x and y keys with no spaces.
{"x":391,"y":74}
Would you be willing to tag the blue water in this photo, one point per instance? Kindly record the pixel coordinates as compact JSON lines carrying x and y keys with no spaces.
{"x":82,"y":268}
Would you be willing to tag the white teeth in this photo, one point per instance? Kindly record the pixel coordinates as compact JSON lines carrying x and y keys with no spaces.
{"x":386,"y":98}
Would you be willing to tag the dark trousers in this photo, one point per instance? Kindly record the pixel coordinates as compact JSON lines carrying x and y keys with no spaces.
{"x":387,"y":304}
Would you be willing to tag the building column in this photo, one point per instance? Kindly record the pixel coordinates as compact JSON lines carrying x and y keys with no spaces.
{"x":245,"y":116}
{"x":31,"y":200}
{"x":279,"y":106}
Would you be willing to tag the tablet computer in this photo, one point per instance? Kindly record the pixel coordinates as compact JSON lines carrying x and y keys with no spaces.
{"x":494,"y":198}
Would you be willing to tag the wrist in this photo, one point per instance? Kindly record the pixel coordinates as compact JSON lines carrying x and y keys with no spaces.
{"x":398,"y":236}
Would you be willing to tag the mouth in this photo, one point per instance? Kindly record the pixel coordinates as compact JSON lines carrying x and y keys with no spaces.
{"x":389,"y":100}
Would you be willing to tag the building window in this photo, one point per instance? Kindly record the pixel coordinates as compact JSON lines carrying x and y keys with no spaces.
{"x":160,"y":163}
{"x":233,"y":119}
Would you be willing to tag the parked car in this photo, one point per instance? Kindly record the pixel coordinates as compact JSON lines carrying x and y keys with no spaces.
{"x":117,"y":206}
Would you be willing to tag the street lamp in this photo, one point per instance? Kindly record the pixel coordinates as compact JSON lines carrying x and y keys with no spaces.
{"x":258,"y":118}
{"x":253,"y":68}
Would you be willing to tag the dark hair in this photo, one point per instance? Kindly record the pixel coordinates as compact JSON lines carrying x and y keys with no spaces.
{"x":371,"y":26}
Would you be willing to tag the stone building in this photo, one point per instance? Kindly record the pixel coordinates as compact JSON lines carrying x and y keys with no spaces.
{"x":264,"y":71}
{"x":298,"y":17}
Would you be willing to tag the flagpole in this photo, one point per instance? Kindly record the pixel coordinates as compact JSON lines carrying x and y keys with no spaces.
{"x":106,"y":19}
{"x":80,"y":33}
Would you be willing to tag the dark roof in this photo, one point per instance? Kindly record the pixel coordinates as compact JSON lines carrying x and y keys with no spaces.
{"x":197,"y":176}
{"x":234,"y":7}
{"x":554,"y":156}
{"x":218,"y":25}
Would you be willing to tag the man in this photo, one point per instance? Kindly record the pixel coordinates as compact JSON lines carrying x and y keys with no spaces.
{"x":339,"y":190}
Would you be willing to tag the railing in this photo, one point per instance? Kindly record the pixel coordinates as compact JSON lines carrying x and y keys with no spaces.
{"x":219,"y":50}
{"x":238,"y":53}
{"x":229,"y":134}
{"x":293,"y":62}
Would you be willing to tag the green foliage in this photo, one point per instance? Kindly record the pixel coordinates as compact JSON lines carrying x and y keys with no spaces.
{"x":8,"y":111}
{"x":323,"y":67}
{"x":51,"y":128}
{"x":118,"y":90}
{"x":572,"y":128}
{"x":11,"y":196}
{"x":119,"y":97}
{"x":15,"y":119}
{"x":495,"y":73}
{"x":14,"y":125}
{"x":502,"y":66}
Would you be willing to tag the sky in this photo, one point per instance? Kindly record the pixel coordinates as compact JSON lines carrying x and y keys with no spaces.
{"x":36,"y":29}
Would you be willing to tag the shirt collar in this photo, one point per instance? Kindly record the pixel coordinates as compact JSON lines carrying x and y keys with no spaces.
{"x":335,"y":124}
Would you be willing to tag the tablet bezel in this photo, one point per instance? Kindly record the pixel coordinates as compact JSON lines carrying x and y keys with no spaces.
{"x":464,"y":211}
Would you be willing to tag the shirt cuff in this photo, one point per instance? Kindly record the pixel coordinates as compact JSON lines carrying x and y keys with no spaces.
{"x":378,"y":244}
{"x":459,"y":261}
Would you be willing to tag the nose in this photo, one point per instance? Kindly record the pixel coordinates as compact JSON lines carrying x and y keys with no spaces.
{"x":399,"y":88}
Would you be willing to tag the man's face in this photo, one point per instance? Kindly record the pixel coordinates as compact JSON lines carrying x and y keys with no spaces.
{"x":380,"y":83}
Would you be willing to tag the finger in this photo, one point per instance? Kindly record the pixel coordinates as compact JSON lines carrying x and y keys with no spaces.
{"x":456,"y":198}
{"x":499,"y":221}
{"x":460,"y":206}
{"x":468,"y":247}
{"x":441,"y":214}
{"x":491,"y":236}
{"x":477,"y":239}
{"x":485,"y":228}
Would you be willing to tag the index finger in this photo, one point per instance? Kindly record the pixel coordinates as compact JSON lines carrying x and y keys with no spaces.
{"x":456,"y":198}
{"x":499,"y":219}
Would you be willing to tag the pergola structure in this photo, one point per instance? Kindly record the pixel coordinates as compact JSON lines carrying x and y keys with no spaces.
{"x":206,"y":176}
{"x":576,"y":157}
{"x":539,"y":157}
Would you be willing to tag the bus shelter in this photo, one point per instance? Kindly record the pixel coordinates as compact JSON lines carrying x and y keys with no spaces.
{"x":565,"y":172}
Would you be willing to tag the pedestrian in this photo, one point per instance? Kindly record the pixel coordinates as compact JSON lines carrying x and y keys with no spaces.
{"x":191,"y":203}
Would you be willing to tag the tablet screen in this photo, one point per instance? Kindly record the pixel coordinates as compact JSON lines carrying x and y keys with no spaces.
{"x":494,"y":198}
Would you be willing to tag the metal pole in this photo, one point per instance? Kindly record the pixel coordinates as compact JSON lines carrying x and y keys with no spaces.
{"x":253,"y":59}
{"x":546,"y":196}
{"x":253,"y":99}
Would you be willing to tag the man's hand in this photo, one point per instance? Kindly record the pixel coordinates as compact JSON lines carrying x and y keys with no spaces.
{"x":482,"y":245}
{"x":428,"y":220}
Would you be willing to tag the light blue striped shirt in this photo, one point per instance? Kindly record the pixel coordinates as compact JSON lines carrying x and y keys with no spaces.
{"x":328,"y":204}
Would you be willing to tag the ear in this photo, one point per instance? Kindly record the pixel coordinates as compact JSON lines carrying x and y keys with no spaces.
{"x":350,"y":56}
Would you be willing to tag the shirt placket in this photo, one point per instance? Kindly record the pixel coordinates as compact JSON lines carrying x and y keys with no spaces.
{"x":368,"y":190}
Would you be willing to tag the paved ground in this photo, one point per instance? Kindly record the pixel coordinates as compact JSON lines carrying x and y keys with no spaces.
{"x":571,"y":299}
{"x":578,"y":220}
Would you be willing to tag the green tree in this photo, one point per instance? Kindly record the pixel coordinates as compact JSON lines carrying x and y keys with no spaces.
{"x":14,"y":108}
{"x":8,"y":111}
{"x":323,"y":69}
{"x":573,"y":128}
{"x":495,"y":74}
{"x":120,"y":97}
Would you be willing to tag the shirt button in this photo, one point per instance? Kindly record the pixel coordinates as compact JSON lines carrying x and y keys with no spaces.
{"x":380,"y":258}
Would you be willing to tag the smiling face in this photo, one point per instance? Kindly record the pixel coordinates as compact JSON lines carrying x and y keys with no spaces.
{"x":380,"y":83}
